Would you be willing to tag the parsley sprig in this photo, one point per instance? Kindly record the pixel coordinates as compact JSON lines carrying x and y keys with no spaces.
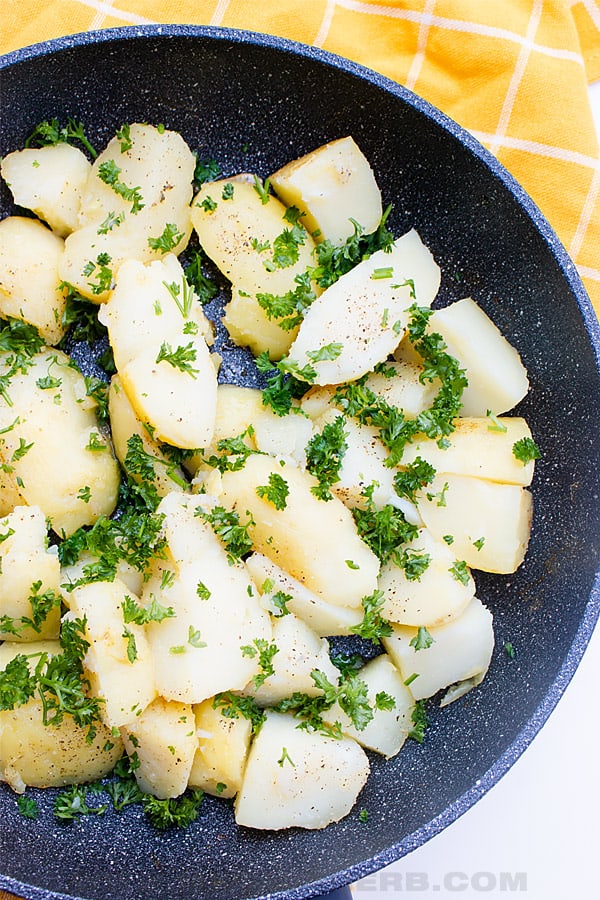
{"x":50,"y":132}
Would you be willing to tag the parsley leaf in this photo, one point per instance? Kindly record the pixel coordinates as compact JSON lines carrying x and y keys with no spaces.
{"x":50,"y":132}
{"x":226,"y":525}
{"x":526,"y":450}
{"x":324,"y":456}
{"x":373,"y":626}
{"x":275,"y":492}
{"x":168,"y":240}
{"x":422,"y":639}
{"x":181,"y":358}
{"x":109,"y":172}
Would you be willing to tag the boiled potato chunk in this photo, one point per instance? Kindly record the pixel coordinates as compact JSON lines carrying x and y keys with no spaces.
{"x":359,"y":320}
{"x":29,"y":279}
{"x":198,"y":651}
{"x":434,"y":597}
{"x":294,"y":778}
{"x":461,"y":652}
{"x":133,"y":198}
{"x":118,"y":662}
{"x":480,"y":447}
{"x":332,"y":186}
{"x":50,"y":181}
{"x":223,"y":744}
{"x":51,"y":440}
{"x":10,"y":495}
{"x":274,"y":584}
{"x":489,"y":523}
{"x":389,"y":727}
{"x":28,"y":569}
{"x":36,"y":755}
{"x":125,"y":424}
{"x":164,"y":739}
{"x":313,"y":539}
{"x":248,"y":326}
{"x":241,"y":234}
{"x":299,"y":652}
{"x":497,"y":377}
{"x":284,"y":437}
{"x":156,"y":325}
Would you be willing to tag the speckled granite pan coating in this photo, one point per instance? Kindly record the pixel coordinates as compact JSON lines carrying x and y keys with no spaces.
{"x":253,"y":103}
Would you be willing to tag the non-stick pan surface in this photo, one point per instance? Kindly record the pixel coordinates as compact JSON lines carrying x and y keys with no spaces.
{"x":254,"y":102}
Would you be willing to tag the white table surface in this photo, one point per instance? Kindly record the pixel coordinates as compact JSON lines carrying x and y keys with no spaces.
{"x":536,"y":834}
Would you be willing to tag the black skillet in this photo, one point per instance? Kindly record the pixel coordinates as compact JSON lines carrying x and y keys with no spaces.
{"x":254,"y":102}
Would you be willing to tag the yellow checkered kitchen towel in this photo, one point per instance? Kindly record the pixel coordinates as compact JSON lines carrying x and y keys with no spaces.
{"x":513,"y":72}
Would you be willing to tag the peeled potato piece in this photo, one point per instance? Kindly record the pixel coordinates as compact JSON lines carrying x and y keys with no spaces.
{"x":30,"y":287}
{"x":299,"y":652}
{"x":197,"y":652}
{"x":332,"y":186}
{"x":460,"y":652}
{"x":135,"y":196}
{"x":223,"y":744}
{"x":52,"y":444}
{"x":37,"y":755}
{"x":316,"y":541}
{"x":294,"y":778}
{"x":50,"y":181}
{"x":125,"y":424}
{"x":157,"y":330}
{"x":497,"y":377}
{"x":28,"y":569}
{"x":323,"y":618}
{"x":488,"y":523}
{"x":480,"y":447}
{"x":399,"y":385}
{"x":118,"y":662}
{"x":359,"y":320}
{"x":240,"y":233}
{"x":437,"y":595}
{"x":164,"y":739}
{"x":389,"y":727}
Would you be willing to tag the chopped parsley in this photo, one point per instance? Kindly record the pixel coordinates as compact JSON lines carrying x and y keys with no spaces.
{"x":206,"y":170}
{"x":383,"y":530}
{"x":282,"y":386}
{"x":373,"y":626}
{"x":233,"y":706}
{"x":141,"y":615}
{"x":324,"y":457}
{"x":275,"y":492}
{"x":289,"y":308}
{"x":233,"y":452}
{"x":226,"y":525}
{"x":420,"y":722}
{"x":265,"y":651}
{"x":460,"y":571}
{"x":103,"y":275}
{"x":181,"y":358}
{"x":422,"y":639}
{"x":50,"y":132}
{"x":204,"y":288}
{"x":27,"y":807}
{"x":108,"y":172}
{"x":526,"y":450}
{"x":168,"y":240}
{"x":412,"y":477}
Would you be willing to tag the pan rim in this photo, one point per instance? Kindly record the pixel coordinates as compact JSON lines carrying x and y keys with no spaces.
{"x":592,"y":609}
